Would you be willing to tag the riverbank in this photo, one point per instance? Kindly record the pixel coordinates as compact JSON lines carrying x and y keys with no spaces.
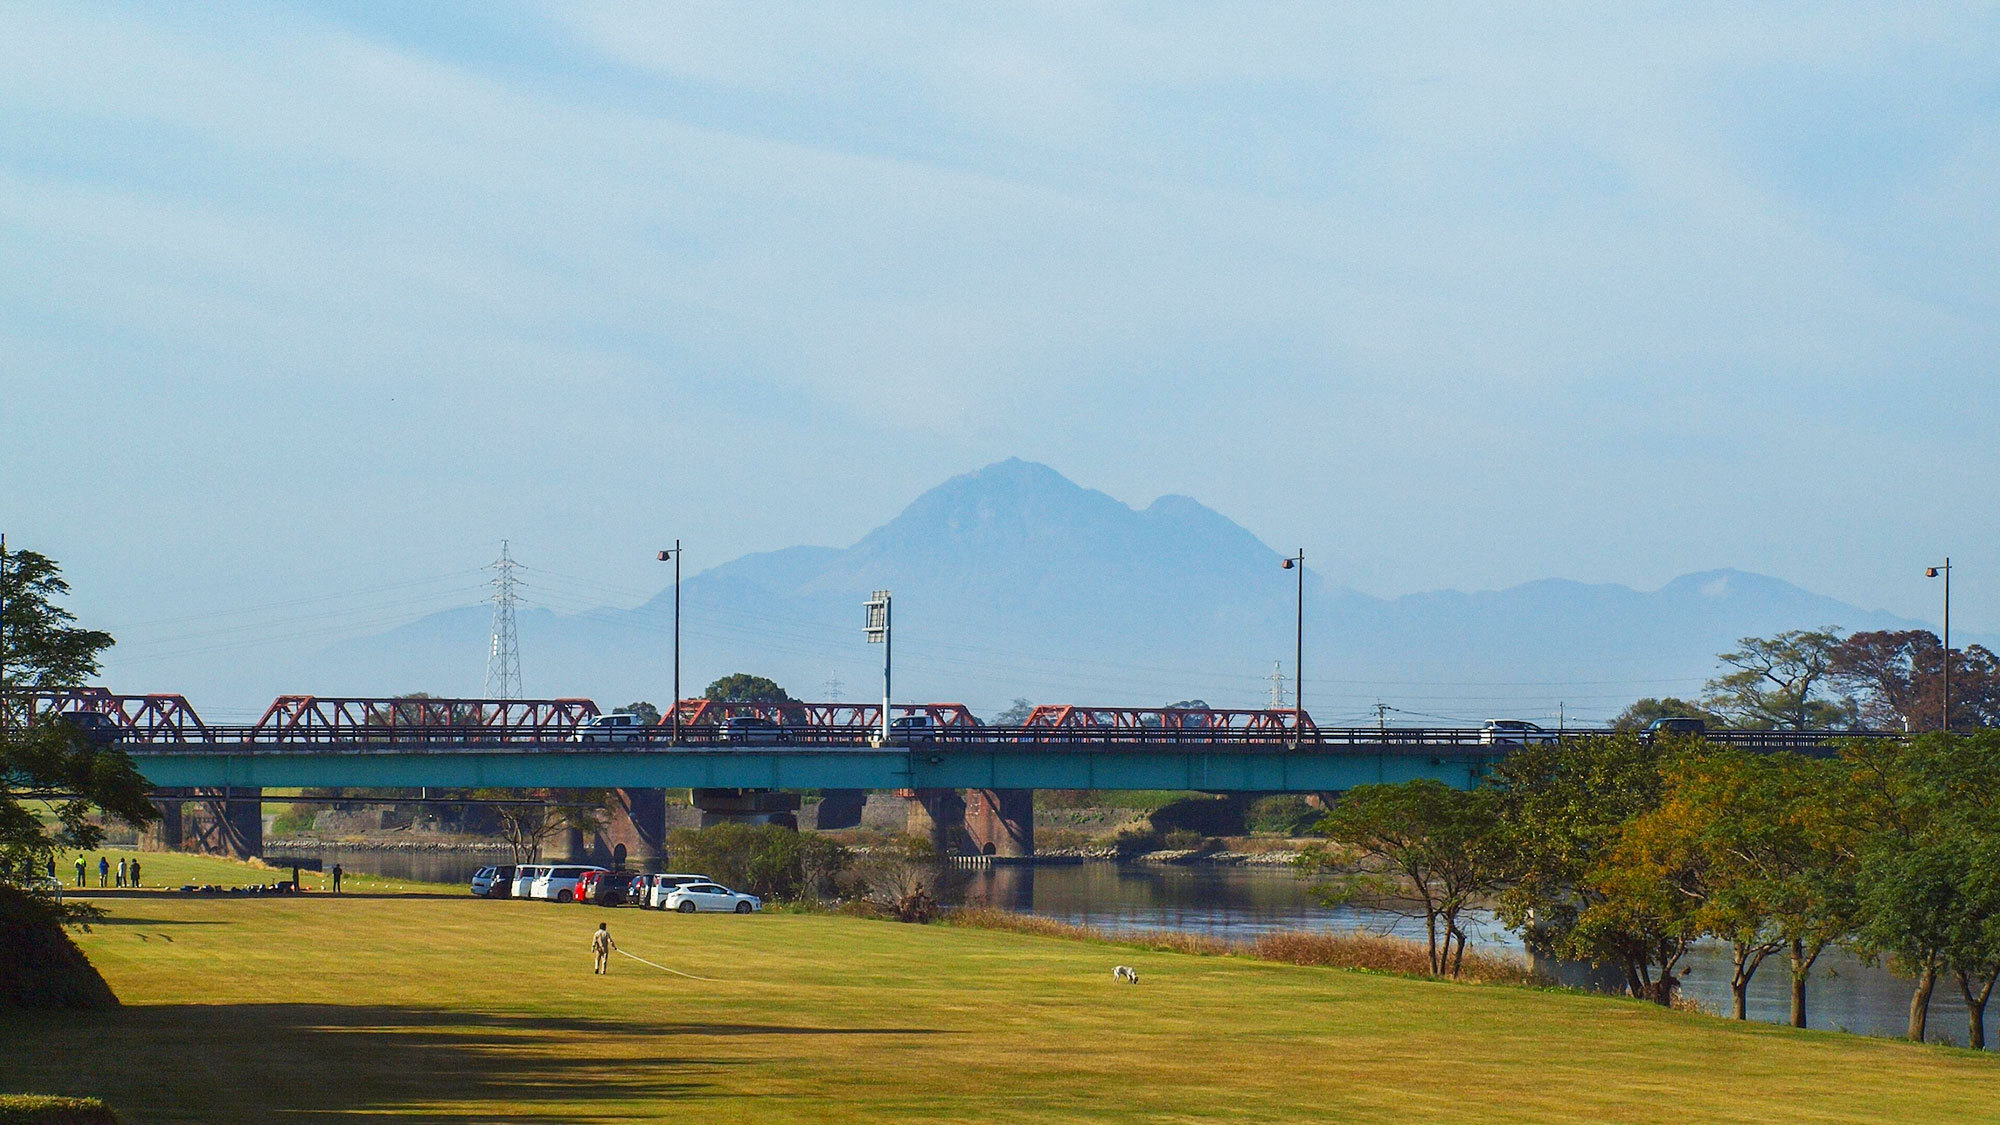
{"x":253,"y":1009}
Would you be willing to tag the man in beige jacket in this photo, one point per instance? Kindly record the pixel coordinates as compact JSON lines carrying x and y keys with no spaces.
{"x":602,"y":945}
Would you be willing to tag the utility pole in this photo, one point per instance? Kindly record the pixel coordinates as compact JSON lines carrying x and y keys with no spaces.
{"x":1381,"y":717}
{"x":503,"y":657}
{"x":877,"y":627}
{"x":674,"y":553}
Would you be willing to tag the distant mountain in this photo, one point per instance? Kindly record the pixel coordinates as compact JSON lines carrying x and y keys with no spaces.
{"x":1014,"y":581}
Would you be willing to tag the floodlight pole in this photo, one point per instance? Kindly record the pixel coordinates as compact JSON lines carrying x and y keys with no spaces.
{"x":1945,"y":573}
{"x":1298,"y":562}
{"x":877,"y":628}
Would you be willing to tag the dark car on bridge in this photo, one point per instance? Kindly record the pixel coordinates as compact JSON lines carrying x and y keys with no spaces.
{"x":1676,"y":724}
{"x":94,"y":726}
{"x":750,"y":729}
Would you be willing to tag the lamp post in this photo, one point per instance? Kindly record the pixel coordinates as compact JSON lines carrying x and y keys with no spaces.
{"x":1944,"y":572}
{"x":674,"y":553}
{"x":1298,"y":563}
{"x":876,"y":625}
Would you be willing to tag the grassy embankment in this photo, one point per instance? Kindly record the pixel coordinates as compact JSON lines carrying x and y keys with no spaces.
{"x":462,"y":1010}
{"x":169,"y":870}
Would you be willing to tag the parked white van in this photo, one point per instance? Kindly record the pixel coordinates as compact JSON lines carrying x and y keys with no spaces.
{"x":619,"y":726}
{"x":658,"y":887}
{"x":524,"y":879}
{"x":558,"y":884}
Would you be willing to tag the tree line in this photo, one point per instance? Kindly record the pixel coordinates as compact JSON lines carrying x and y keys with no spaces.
{"x":1623,"y":852}
{"x":1818,"y":679}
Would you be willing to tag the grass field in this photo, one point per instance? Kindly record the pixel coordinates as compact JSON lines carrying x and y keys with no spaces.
{"x":160,"y":870}
{"x":450,"y":1010}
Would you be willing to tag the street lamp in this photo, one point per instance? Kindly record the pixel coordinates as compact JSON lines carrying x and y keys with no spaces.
{"x":674,"y":553}
{"x":1298,"y":563}
{"x":1944,"y":572}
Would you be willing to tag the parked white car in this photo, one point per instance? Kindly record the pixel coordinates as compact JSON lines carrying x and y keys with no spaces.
{"x":493,"y":882}
{"x":1513,"y":732}
{"x":558,"y":883}
{"x":690,"y":897}
{"x":524,"y":879}
{"x":658,"y":887}
{"x":620,"y":726}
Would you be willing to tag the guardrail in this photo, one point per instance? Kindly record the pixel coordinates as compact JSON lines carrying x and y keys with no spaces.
{"x":560,"y":737}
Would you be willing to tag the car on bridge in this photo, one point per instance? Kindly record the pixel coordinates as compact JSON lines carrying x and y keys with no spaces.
{"x":619,"y":726}
{"x":911,"y":730}
{"x":1513,"y":732}
{"x":711,"y":898}
{"x":94,"y":726}
{"x":750,"y":730}
{"x":1676,"y":724}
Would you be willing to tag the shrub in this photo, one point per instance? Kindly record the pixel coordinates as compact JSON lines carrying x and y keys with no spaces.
{"x":1183,"y":839}
{"x":296,"y":820}
{"x":1283,"y":814}
{"x":767,"y":860}
{"x":37,"y":1109}
{"x":908,"y":880}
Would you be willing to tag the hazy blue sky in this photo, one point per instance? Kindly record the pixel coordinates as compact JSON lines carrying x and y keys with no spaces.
{"x":312,"y":303}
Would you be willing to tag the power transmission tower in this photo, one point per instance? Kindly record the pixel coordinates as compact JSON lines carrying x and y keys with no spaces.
{"x":1277,"y":685}
{"x":503,"y":658}
{"x":833,"y":686}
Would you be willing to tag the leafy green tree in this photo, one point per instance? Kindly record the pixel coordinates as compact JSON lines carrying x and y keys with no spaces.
{"x":1781,"y":682}
{"x":1425,"y":850}
{"x":1563,"y":809}
{"x":1929,"y":884}
{"x":768,"y":860}
{"x":1756,"y":849}
{"x":1646,"y":710}
{"x":41,"y":647}
{"x":644,"y":710}
{"x":742,"y":687}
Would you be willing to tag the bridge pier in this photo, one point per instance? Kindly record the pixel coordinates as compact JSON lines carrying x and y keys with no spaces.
{"x":636,"y":834}
{"x":747,"y":806}
{"x":212,"y":822}
{"x":840,"y":808}
{"x":1001,"y":822}
{"x":938,"y":815}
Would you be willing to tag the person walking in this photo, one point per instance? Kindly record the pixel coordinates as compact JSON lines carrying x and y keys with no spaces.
{"x":103,"y":873}
{"x":135,"y":870}
{"x":602,"y":945}
{"x":79,"y":870}
{"x":121,"y":870}
{"x":336,"y":878}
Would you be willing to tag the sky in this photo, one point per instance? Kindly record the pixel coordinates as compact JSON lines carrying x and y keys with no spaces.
{"x":306,"y":307}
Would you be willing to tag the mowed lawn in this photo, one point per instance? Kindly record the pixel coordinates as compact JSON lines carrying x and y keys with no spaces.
{"x":286,"y":1009}
{"x":159,"y":870}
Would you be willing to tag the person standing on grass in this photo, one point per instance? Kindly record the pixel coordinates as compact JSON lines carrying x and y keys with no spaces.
{"x":121,"y":870}
{"x":336,"y":878}
{"x":79,"y":870}
{"x":103,"y":872}
{"x":135,"y":870}
{"x":602,"y":945}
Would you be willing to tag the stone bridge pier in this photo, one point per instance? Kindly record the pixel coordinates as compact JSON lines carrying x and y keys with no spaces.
{"x":938,"y":815}
{"x":635,"y":836}
{"x":1001,"y":822}
{"x":209,"y":822}
{"x":747,"y":806}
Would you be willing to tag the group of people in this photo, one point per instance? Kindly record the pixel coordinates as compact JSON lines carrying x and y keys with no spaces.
{"x":127,"y":872}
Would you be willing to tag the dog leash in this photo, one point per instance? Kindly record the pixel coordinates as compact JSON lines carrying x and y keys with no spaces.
{"x":676,"y":972}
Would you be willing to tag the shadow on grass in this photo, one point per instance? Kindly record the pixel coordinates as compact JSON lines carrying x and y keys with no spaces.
{"x":311,"y":1062}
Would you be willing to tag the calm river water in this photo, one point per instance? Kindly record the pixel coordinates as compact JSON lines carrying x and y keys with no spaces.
{"x":1241,"y":902}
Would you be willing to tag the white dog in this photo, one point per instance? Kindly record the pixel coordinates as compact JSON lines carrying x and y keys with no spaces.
{"x":1126,"y":973}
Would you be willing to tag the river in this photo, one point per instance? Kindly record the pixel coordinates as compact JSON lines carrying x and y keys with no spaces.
{"x":1241,"y":902}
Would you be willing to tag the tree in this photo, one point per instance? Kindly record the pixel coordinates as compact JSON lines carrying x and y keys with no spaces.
{"x":51,"y":762}
{"x":528,"y":825}
{"x":1427,"y":850}
{"x":1563,"y":808}
{"x":1897,"y":677}
{"x":644,"y":710}
{"x":1781,"y":682}
{"x":743,"y":687}
{"x":1756,"y":848}
{"x":908,"y":880}
{"x":1646,"y":710}
{"x":1016,"y":713}
{"x":1929,"y":884}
